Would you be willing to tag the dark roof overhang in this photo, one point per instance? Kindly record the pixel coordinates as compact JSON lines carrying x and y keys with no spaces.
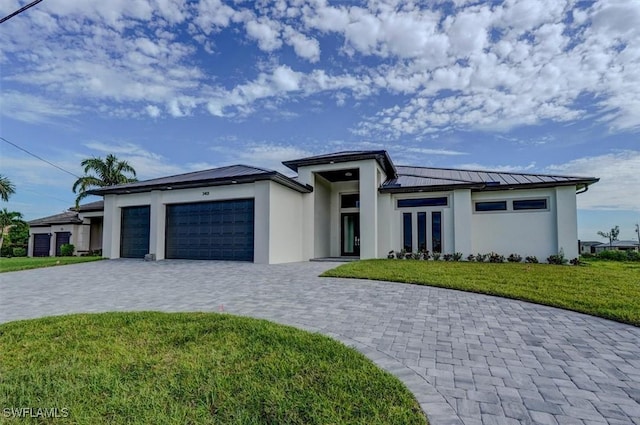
{"x":483,"y":187}
{"x":382,"y":157}
{"x":141,"y":188}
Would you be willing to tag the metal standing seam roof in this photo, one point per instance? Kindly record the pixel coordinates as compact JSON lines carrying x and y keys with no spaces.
{"x":217,"y":176}
{"x":440,"y":178}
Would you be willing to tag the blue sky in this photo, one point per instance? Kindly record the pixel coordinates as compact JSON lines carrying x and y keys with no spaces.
{"x":540,"y":86}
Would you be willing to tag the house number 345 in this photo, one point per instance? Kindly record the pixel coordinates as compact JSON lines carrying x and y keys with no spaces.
{"x":205,"y":193}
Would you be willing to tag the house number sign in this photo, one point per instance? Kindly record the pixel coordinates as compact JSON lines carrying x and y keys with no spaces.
{"x":205,"y":193}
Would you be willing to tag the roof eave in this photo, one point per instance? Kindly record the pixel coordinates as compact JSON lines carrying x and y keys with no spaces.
{"x":382,"y":157}
{"x":275,"y":176}
{"x":481,"y":187}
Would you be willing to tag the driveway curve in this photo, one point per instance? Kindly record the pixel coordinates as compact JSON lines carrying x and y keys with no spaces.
{"x":469,"y":359}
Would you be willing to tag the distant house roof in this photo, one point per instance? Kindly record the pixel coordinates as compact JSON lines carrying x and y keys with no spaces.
{"x":67,"y":217}
{"x":214,"y":177}
{"x":590,"y":243}
{"x":411,"y":178}
{"x":89,"y":207}
{"x":381,"y":156}
{"x":619,"y":244}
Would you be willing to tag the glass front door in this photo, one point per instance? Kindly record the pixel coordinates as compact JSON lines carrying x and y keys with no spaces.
{"x":350,"y":234}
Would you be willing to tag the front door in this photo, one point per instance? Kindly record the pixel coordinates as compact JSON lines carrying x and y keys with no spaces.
{"x":350,"y":234}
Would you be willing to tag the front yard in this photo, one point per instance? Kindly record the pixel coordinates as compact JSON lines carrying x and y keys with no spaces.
{"x":25,"y":263}
{"x":601,"y":288}
{"x":192,"y":368}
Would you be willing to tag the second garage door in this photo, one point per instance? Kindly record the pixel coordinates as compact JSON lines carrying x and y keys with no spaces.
{"x":220,"y":230}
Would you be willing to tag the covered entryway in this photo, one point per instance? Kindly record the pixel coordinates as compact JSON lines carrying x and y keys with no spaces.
{"x":61,"y":239}
{"x":220,"y":230}
{"x":41,"y":244}
{"x":134,"y":234}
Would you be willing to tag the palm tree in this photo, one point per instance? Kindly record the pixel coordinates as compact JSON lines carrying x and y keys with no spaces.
{"x":8,"y":219}
{"x":6,"y":188}
{"x":101,"y":173}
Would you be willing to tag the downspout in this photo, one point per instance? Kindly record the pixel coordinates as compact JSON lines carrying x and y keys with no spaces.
{"x":583,"y":190}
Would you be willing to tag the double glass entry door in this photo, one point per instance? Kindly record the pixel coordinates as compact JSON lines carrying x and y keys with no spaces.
{"x":350,"y":232}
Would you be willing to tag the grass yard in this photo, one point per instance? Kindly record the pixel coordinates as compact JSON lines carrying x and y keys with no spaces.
{"x":25,"y":263}
{"x":192,"y":368}
{"x":601,"y":288}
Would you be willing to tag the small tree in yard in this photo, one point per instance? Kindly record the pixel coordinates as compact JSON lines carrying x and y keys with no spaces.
{"x":612,"y":235}
{"x":638,"y":233}
{"x":7,"y":219}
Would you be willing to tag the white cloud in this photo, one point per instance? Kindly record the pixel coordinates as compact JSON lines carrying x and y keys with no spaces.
{"x":619,"y":185}
{"x":266,"y":32}
{"x":494,"y":67}
{"x":34,"y":109}
{"x":153,"y":111}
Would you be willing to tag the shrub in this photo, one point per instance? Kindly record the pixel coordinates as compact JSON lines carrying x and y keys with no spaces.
{"x":514,"y":258}
{"x":391,"y":254}
{"x":400,"y":254}
{"x":557,"y":259}
{"x":425,"y":255}
{"x":633,"y":255}
{"x":67,"y":250}
{"x":457,"y":256}
{"x":480,"y":258}
{"x":575,"y":262}
{"x":436,"y":256}
{"x":408,"y":255}
{"x":416,"y":256}
{"x":447,"y":257}
{"x":531,"y":259}
{"x":471,"y":257}
{"x":19,"y":252}
{"x":495,"y":258}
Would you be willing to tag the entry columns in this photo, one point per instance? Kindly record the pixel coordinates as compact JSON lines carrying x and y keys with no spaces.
{"x":368,"y":210}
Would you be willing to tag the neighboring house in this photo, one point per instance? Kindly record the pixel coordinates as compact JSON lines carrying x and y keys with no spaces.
{"x":81,"y":227}
{"x":588,"y":247}
{"x":356,"y":204}
{"x":618,"y":246}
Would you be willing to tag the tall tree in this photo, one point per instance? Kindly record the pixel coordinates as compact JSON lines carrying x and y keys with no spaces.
{"x":6,"y":188}
{"x":8,"y":219}
{"x":612,"y":235}
{"x":101,"y":173}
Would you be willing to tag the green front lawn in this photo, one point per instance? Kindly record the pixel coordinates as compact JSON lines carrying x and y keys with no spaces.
{"x":192,"y":368}
{"x":24,"y":263}
{"x":601,"y":288}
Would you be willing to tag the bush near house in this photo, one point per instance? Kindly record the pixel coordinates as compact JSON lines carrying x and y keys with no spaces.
{"x":19,"y":252}
{"x":67,"y":250}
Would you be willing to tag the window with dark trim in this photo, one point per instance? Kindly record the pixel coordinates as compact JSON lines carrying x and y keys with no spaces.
{"x":530,"y":204}
{"x":423,"y":202}
{"x":407,"y":232}
{"x":491,"y":206}
{"x":350,"y":201}
{"x":422,"y":231}
{"x":436,"y":231}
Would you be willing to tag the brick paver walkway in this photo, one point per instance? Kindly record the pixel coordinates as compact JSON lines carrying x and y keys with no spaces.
{"x":469,"y":359}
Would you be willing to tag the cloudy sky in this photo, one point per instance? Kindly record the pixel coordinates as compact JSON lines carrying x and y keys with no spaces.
{"x":540,"y":86}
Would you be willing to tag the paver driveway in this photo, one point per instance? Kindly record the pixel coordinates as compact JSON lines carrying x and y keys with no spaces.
{"x":468,"y":358}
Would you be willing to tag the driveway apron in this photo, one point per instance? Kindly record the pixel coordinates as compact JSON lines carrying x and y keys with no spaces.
{"x":469,"y":359}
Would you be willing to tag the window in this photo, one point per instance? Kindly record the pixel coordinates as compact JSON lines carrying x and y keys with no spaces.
{"x":422,"y":231}
{"x":436,"y":231}
{"x":491,"y":206}
{"x":350,"y":201}
{"x":530,"y":204}
{"x":407,"y":232}
{"x":423,"y":202}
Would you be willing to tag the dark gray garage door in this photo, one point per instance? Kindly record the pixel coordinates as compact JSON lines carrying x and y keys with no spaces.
{"x":61,"y":239}
{"x":41,"y":242}
{"x":221,"y":230}
{"x":134,"y":233}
